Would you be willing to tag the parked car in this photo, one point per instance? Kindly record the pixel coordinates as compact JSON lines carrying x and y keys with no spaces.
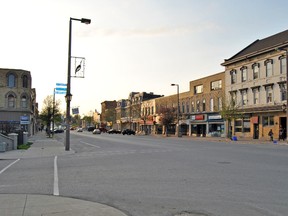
{"x":128,"y":132}
{"x":79,"y":130}
{"x":96,"y":131}
{"x":58,"y":130}
{"x":103,"y":130}
{"x":91,"y":129}
{"x":114,"y":131}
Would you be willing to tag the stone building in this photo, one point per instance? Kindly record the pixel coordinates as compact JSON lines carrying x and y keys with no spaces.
{"x":255,"y":80}
{"x":18,"y":107}
{"x":198,"y":108}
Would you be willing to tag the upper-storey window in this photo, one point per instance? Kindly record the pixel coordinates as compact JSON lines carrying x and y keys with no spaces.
{"x":216,"y":85}
{"x":211,"y":105}
{"x":25,"y":81}
{"x":256,"y":73}
{"x":204,"y":105}
{"x":11,"y":82}
{"x":269,"y":67}
{"x":244,"y":95}
{"x":243,"y":74}
{"x":187,"y":107}
{"x":269,"y":94}
{"x":256,"y":95}
{"x":282,"y":64}
{"x":283,"y":91}
{"x":198,"y":106}
{"x":198,"y":89}
{"x":11,"y":101}
{"x":233,"y":96}
{"x":24,"y":102}
{"x":233,"y":74}
{"x":192,"y":107}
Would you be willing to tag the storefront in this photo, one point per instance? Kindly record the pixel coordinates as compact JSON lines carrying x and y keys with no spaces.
{"x":198,"y":125}
{"x":216,"y":126}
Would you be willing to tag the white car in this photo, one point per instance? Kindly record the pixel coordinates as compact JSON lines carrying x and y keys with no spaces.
{"x":96,"y":131}
{"x":79,"y":130}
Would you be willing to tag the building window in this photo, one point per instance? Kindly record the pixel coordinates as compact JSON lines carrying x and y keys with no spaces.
{"x":282,"y":64}
{"x":246,"y":125}
{"x":268,"y":120}
{"x":219,"y":103}
{"x":187,"y":107}
{"x":204,"y":105}
{"x":244,"y":95}
{"x":192,"y":107}
{"x":25,"y":81}
{"x":255,"y":96}
{"x":183,"y":107}
{"x":269,"y":94}
{"x":198,"y":89}
{"x":211,"y":105}
{"x":24,"y":102}
{"x":216,"y":85}
{"x":198,"y":106}
{"x":243,"y":74}
{"x":233,"y":96}
{"x":11,"y":101}
{"x":233,"y":74}
{"x":283,"y":92}
{"x":256,"y":73}
{"x":269,"y":67}
{"x":11,"y":81}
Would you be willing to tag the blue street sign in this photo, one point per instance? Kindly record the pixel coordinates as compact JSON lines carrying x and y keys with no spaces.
{"x":61,"y":84}
{"x":61,"y":89}
{"x":60,"y":92}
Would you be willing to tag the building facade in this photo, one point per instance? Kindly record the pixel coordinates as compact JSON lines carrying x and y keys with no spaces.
{"x":256,"y":82}
{"x":18,"y":107}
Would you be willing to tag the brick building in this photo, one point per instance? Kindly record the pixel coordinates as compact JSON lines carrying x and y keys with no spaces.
{"x":18,"y":107}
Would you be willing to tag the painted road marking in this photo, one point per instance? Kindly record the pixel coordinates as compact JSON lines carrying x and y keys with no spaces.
{"x":9,"y":166}
{"x":90,"y":144}
{"x":56,"y":185}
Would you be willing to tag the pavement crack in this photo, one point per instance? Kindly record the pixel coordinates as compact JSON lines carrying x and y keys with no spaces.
{"x":24,"y":208}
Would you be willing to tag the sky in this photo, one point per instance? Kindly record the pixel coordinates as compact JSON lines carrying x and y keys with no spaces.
{"x":130,"y":45}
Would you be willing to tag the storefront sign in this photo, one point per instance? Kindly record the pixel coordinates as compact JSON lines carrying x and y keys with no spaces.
{"x":199,"y":117}
{"x":214,"y":117}
{"x":24,"y":120}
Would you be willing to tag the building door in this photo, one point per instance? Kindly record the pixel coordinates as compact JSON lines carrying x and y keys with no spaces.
{"x":256,"y":131}
{"x":283,"y":125}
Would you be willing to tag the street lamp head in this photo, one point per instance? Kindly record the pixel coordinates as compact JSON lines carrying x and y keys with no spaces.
{"x":86,"y":21}
{"x":173,"y":84}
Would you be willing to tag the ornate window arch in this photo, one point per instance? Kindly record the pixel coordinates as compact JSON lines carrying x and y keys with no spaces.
{"x":25,"y":81}
{"x":11,"y":79}
{"x":24,"y":101}
{"x":11,"y":99}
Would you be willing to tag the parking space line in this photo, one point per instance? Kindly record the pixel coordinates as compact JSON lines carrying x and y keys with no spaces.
{"x":56,"y":185}
{"x":9,"y":166}
{"x":90,"y":144}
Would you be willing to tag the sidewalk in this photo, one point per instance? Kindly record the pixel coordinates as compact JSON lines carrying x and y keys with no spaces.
{"x":41,"y":147}
{"x":38,"y":205}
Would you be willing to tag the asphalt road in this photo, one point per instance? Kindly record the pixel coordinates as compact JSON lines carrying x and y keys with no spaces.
{"x":151,"y":176}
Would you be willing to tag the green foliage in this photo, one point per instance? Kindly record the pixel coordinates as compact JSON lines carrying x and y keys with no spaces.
{"x":24,"y":146}
{"x":46,"y":114}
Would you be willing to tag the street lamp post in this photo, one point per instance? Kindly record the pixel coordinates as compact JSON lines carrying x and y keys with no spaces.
{"x":286,"y":52}
{"x":68,"y":93}
{"x":179,"y":134}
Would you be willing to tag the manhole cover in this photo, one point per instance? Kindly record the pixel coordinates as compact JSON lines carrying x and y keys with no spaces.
{"x":192,"y":214}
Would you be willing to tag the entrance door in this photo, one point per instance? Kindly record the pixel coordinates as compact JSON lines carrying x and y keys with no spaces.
{"x":256,"y":131}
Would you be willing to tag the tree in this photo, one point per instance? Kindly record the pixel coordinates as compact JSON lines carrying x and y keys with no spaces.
{"x":47,"y":112}
{"x":167,"y":117}
{"x":229,"y":112}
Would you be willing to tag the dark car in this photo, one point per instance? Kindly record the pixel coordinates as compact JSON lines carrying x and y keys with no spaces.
{"x":90,"y":129}
{"x":128,"y":132}
{"x":58,"y":130}
{"x":114,"y":131}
